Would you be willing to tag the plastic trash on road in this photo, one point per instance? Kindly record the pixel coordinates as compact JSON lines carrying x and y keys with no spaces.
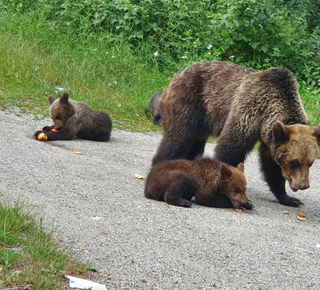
{"x":84,"y":284}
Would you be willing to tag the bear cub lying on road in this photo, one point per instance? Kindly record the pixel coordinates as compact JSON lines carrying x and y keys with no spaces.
{"x":212,"y":183}
{"x":73,"y":119}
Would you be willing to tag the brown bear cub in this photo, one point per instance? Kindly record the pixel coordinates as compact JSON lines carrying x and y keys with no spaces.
{"x":212,"y":183}
{"x":73,"y":119}
{"x":240,"y":106}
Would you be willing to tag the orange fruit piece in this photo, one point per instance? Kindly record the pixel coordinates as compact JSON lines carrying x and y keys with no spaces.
{"x":42,"y":137}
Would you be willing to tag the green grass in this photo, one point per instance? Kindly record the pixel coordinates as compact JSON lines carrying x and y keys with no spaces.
{"x":110,"y":78}
{"x":29,"y":256}
{"x":311,"y":102}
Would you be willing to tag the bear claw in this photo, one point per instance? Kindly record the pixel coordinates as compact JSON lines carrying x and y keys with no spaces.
{"x":290,"y":201}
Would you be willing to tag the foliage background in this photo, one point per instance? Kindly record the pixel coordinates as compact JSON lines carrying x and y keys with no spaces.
{"x":164,"y":36}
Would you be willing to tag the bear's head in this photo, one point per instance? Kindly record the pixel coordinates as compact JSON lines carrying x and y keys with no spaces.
{"x":234,"y":185}
{"x":60,"y":110}
{"x":294,"y":148}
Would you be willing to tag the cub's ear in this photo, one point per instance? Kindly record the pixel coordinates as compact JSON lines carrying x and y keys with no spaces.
{"x":241,"y":167}
{"x":51,"y":99}
{"x":64,"y":98}
{"x":280,"y":132}
{"x":317,"y":133}
{"x":226,"y":172}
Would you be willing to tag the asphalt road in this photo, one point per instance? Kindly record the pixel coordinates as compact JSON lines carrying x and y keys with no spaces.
{"x":96,"y":205}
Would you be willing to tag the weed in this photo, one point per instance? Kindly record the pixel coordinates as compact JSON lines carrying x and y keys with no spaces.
{"x":28,"y":254}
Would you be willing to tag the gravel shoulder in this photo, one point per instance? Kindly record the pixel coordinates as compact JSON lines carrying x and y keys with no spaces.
{"x":96,"y":205}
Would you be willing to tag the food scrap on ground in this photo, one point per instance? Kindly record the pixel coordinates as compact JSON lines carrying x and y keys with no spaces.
{"x":139,"y":176}
{"x":42,"y":137}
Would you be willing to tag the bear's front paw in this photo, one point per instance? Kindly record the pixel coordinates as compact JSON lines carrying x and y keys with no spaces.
{"x":246,"y":205}
{"x":290,"y":201}
{"x":37,"y":134}
{"x":47,"y":128}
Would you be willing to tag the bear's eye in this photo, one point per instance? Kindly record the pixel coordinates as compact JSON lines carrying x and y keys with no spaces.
{"x":294,"y":164}
{"x":58,"y":117}
{"x":237,"y":190}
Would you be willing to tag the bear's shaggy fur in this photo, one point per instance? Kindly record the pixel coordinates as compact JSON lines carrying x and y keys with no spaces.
{"x":73,"y":119}
{"x":212,"y":183}
{"x":240,"y":106}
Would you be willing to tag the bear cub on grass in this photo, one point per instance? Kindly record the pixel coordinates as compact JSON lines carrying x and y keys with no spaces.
{"x":212,"y":183}
{"x":73,"y":119}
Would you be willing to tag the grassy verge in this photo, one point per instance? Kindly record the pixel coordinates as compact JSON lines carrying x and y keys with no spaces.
{"x":110,"y":77}
{"x":29,"y":258}
{"x":107,"y":77}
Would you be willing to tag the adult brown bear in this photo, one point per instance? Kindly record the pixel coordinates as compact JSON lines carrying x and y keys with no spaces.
{"x":240,"y":106}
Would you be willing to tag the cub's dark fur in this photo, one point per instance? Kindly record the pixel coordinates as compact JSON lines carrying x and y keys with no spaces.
{"x":212,"y":183}
{"x":240,"y":106}
{"x":73,"y":119}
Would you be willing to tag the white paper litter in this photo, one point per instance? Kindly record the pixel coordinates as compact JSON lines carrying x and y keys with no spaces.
{"x":57,"y":89}
{"x":139,"y":176}
{"x":84,"y":284}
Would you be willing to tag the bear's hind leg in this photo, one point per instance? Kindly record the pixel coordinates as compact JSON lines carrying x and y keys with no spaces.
{"x":273,"y":176}
{"x":180,"y":192}
{"x":197,"y":149}
{"x":171,"y":150}
{"x":102,"y":137}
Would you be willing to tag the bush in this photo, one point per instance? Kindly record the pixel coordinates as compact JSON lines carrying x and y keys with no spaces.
{"x":171,"y":34}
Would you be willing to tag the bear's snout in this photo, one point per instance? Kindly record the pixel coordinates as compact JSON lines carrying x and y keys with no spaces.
{"x":296,"y":186}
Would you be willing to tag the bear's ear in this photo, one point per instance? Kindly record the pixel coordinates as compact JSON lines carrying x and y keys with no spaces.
{"x":317,"y":133}
{"x":226,"y":172}
{"x":280,"y":133}
{"x":51,"y":99}
{"x":241,"y":167}
{"x":64,"y":98}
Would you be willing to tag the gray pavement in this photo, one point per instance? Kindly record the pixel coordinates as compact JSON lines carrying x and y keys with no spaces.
{"x":96,"y":206}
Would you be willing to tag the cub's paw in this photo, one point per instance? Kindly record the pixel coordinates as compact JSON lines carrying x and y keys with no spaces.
{"x":37,"y":134}
{"x":178,"y":201}
{"x":246,"y":205}
{"x":290,"y":201}
{"x":185,"y":203}
{"x":47,"y":128}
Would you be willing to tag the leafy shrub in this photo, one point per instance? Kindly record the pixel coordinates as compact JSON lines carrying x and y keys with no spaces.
{"x":173,"y":33}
